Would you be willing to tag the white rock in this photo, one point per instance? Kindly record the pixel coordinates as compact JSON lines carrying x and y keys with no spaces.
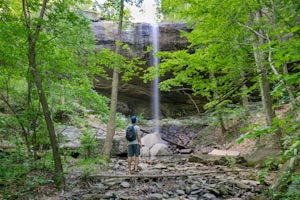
{"x":160,"y":150}
{"x":151,"y":139}
{"x":217,"y":152}
{"x":145,"y":152}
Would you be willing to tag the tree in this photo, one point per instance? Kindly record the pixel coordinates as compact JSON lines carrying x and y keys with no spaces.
{"x":233,"y":42}
{"x":216,"y":65}
{"x":55,"y":48}
{"x":33,"y":32}
{"x":283,"y":27}
{"x":119,"y":7}
{"x":262,"y":70}
{"x":114,"y":92}
{"x":263,"y":24}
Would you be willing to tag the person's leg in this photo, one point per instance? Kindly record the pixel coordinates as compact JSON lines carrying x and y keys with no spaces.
{"x":136,"y":163}
{"x":130,"y":155}
{"x":129,"y":164}
{"x":136,"y":157}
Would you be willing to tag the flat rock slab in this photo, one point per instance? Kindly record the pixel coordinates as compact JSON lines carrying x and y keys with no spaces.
{"x":217,"y":152}
{"x":186,"y":151}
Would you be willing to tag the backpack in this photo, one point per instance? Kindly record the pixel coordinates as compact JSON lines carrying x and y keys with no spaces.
{"x":130,"y":133}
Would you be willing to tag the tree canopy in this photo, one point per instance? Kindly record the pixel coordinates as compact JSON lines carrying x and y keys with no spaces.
{"x":239,"y":52}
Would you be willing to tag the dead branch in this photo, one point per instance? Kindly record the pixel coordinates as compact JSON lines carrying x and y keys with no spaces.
{"x":251,"y":29}
{"x":162,"y":175}
{"x":144,"y":131}
{"x":192,"y":100}
{"x":174,"y":143}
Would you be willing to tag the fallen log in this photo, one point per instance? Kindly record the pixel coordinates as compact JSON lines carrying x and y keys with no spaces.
{"x":144,"y":131}
{"x":161,"y":175}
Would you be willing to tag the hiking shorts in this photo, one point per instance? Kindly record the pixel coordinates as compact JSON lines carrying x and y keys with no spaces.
{"x":133,"y":150}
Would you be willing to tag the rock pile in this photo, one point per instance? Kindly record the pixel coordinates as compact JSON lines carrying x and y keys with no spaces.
{"x":170,"y":178}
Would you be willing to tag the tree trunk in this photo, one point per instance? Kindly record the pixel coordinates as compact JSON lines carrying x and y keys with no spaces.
{"x":263,"y":72}
{"x":279,"y":76}
{"x":245,"y":100}
{"x":32,"y":38}
{"x":290,"y":89}
{"x":222,"y":123}
{"x":23,"y":132}
{"x":49,"y":122}
{"x":262,"y":68}
{"x":114,"y":92}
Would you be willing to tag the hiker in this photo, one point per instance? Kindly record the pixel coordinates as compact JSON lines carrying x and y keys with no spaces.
{"x":133,"y":136}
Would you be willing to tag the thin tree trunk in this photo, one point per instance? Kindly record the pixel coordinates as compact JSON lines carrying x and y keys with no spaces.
{"x":49,"y":122}
{"x":219,"y":109}
{"x":290,"y":89}
{"x":279,"y":76}
{"x":261,"y":60}
{"x":114,"y":92}
{"x":24,"y":132}
{"x":32,"y":38}
{"x":263,"y":71}
{"x":222,"y":123}
{"x":245,"y":101}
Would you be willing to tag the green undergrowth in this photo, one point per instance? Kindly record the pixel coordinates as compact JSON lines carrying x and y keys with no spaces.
{"x":22,"y":177}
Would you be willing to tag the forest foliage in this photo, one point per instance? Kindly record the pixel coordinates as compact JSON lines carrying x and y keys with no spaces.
{"x":48,"y":65}
{"x":238,"y":51}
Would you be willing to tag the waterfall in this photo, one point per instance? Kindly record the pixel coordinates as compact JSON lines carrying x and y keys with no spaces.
{"x":155,"y":83}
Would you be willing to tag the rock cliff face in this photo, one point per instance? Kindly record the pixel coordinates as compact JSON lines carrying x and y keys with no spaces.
{"x":134,"y":97}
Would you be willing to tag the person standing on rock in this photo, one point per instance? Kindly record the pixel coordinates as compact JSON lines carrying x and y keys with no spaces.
{"x":133,"y":136}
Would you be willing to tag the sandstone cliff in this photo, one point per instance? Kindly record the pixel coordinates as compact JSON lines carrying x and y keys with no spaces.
{"x":135,"y":96}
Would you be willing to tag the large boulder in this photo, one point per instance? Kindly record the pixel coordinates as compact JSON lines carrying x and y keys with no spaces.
{"x":69,"y":137}
{"x":70,"y":140}
{"x":153,"y":145}
{"x":160,"y":149}
{"x":257,"y":151}
{"x":119,"y":146}
{"x":151,"y":139}
{"x":261,"y":154}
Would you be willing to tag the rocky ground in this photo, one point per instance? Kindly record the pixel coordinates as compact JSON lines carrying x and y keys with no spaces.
{"x":175,"y":177}
{"x":214,"y":168}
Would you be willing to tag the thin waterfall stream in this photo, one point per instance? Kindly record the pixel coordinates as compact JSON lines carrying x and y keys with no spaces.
{"x":155,"y":83}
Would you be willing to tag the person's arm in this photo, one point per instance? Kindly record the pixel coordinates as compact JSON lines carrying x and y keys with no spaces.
{"x":139,"y":136}
{"x":140,"y":139}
